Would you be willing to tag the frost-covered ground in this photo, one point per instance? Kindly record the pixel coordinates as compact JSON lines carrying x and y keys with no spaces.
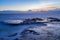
{"x":49,"y":32}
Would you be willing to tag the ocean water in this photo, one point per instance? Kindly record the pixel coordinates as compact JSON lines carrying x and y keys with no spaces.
{"x":28,"y":15}
{"x":49,"y":32}
{"x":6,"y":30}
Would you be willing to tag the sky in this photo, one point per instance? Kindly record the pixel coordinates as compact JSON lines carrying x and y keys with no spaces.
{"x":23,"y":5}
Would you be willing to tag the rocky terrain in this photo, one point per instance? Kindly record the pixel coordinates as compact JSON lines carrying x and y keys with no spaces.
{"x":31,"y":21}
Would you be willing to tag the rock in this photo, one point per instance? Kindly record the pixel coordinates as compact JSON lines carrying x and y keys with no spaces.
{"x":29,"y":31}
{"x":12,"y":35}
{"x":53,"y":19}
{"x":16,"y":39}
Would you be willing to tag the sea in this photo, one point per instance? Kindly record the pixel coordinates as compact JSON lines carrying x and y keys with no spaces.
{"x":6,"y":30}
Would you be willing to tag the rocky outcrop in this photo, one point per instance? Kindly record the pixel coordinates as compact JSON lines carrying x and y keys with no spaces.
{"x":31,"y":21}
{"x":53,"y":19}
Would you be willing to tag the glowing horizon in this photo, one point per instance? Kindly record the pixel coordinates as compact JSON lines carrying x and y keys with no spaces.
{"x":23,"y":5}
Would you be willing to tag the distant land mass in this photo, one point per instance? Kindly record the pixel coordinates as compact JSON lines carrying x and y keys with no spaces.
{"x":29,"y":11}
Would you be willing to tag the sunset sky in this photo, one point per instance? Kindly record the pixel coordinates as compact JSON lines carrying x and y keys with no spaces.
{"x":23,"y":5}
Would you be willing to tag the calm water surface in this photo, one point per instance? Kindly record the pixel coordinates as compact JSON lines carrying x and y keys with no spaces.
{"x":6,"y":30}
